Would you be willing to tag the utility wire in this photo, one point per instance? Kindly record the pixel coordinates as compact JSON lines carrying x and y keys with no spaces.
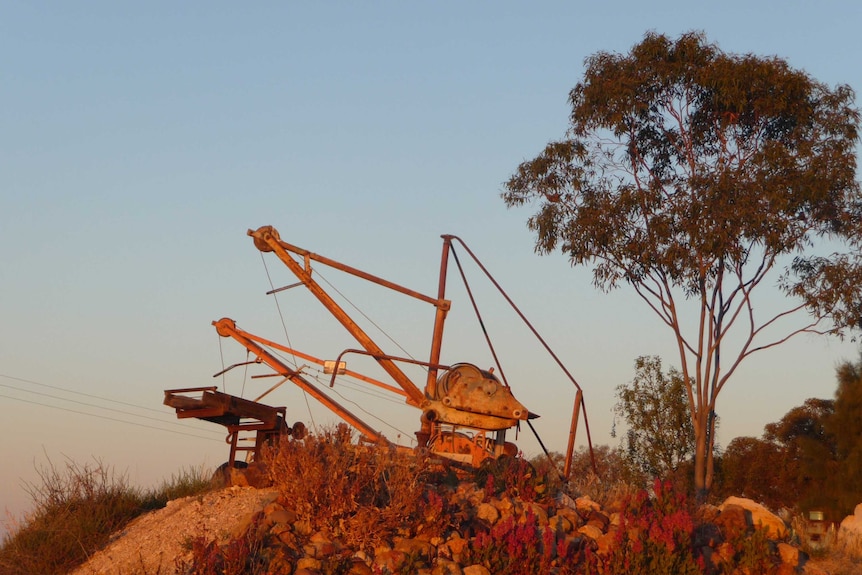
{"x":31,"y":382}
{"x":277,"y":305}
{"x":93,"y":405}
{"x":358,"y":388}
{"x":369,"y":414}
{"x":107,"y":418}
{"x":99,"y":398}
{"x":363,"y":314}
{"x":286,"y":335}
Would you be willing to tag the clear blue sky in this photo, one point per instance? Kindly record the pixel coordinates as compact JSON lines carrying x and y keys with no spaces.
{"x":140,"y":142}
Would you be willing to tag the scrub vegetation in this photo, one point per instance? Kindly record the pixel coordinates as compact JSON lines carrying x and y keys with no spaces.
{"x":368,"y":496}
{"x":76,"y":509}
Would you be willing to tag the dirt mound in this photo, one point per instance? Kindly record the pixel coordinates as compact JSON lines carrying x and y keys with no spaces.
{"x":155,"y":542}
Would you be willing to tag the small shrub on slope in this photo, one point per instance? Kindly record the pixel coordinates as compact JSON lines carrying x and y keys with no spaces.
{"x":363,"y":494}
{"x":76,"y":510}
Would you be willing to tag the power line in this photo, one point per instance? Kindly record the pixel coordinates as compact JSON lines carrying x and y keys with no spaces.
{"x":348,"y":384}
{"x":30,"y":381}
{"x":105,"y":417}
{"x":357,"y":386}
{"x":94,"y":406}
{"x":354,"y":306}
{"x":97,"y":397}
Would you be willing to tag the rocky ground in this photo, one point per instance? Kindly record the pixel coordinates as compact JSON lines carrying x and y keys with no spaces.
{"x":153,"y":543}
{"x":159,"y":542}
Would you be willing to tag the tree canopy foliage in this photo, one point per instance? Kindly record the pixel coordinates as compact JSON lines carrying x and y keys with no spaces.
{"x":691,"y":174}
{"x":810,"y":459}
{"x":807,"y":467}
{"x":845,"y":426}
{"x":794,"y":464}
{"x":755,"y":468}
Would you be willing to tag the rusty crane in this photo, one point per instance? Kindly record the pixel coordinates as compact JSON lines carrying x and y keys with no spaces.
{"x":465,"y":411}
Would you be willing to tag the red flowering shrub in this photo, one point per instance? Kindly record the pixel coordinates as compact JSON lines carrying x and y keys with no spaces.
{"x":654,"y":537}
{"x":523,"y":547}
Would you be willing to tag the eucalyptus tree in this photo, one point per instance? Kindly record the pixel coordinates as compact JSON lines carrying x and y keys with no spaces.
{"x":703,"y":179}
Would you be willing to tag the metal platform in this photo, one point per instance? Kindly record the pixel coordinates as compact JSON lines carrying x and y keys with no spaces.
{"x":235,"y":413}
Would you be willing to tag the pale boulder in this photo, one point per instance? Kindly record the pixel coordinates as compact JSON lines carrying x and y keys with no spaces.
{"x":761,"y":517}
{"x":850,"y":533}
{"x":789,"y":554}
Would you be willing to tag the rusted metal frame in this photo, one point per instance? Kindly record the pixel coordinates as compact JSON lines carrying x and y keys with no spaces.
{"x":576,"y":410}
{"x":250,"y":409}
{"x":269,"y":237}
{"x":446,"y":444}
{"x":318,"y":361}
{"x":541,"y":340}
{"x":440,"y":316}
{"x":479,"y":317}
{"x":214,"y":404}
{"x":261,"y":435}
{"x":434,"y":366}
{"x":272,"y":388}
{"x":234,"y":438}
{"x":351,"y":270}
{"x":182,"y":402}
{"x":230,"y":367}
{"x":249,"y":426}
{"x":228,"y":411}
{"x":190,"y":389}
{"x":208,"y":402}
{"x":200,"y":412}
{"x":226,"y":327}
{"x":539,"y":439}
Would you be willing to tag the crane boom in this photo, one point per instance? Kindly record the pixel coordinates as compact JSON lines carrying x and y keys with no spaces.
{"x":267,"y":239}
{"x":226,"y":327}
{"x":465,"y":410}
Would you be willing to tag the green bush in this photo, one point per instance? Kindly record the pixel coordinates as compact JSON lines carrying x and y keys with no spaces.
{"x":186,"y":482}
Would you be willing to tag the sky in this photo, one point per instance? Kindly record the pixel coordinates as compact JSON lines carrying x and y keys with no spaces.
{"x":140,"y":142}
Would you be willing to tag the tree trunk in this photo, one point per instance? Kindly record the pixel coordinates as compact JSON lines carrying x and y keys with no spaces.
{"x":701,"y":452}
{"x":710,"y":450}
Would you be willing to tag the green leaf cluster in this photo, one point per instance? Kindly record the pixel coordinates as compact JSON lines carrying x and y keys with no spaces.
{"x":659,"y":434}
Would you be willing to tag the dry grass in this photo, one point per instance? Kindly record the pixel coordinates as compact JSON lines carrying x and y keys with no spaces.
{"x":838,"y":564}
{"x":362,"y":494}
{"x":614,"y":483}
{"x":839,"y":557}
{"x":76,"y":508}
